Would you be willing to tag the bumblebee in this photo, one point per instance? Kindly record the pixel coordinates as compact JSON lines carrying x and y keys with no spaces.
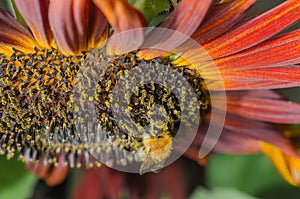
{"x":157,"y":149}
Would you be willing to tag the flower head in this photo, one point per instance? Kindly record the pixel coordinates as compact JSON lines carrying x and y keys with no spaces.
{"x":251,"y":55}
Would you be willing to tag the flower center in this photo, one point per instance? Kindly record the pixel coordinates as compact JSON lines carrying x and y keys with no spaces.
{"x":37,"y":106}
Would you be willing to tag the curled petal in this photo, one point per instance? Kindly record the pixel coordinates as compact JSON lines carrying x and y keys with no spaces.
{"x":223,"y":17}
{"x":35,"y":13}
{"x":287,"y":165}
{"x":76,"y":24}
{"x":122,"y":17}
{"x":13,"y":34}
{"x":185,"y":19}
{"x":53,"y":175}
{"x":256,"y":30}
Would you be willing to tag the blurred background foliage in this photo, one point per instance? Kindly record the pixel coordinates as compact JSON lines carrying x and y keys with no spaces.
{"x":226,"y":176}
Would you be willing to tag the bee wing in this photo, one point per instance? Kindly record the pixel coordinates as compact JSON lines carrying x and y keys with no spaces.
{"x":150,"y":165}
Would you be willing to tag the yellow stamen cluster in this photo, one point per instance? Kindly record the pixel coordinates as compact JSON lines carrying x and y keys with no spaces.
{"x":36,"y":108}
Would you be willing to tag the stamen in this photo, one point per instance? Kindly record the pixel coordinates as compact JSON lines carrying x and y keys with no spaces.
{"x":37,"y":108}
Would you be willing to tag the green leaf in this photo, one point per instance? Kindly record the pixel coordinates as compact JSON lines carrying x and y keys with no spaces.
{"x":8,"y":6}
{"x":219,"y":193}
{"x":252,"y":174}
{"x":150,"y":8}
{"x":16,"y":181}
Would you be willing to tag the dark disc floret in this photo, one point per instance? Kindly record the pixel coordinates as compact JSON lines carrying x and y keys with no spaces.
{"x":37,"y":107}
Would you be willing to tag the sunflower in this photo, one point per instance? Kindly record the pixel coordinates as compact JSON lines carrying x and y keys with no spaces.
{"x":39,"y":65}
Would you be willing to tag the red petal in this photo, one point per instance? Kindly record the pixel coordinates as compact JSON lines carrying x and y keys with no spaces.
{"x":258,"y":130}
{"x":228,"y":142}
{"x":99,"y":183}
{"x":73,"y":27}
{"x":222,"y":18}
{"x":233,"y":143}
{"x":187,"y":16}
{"x":122,"y":17}
{"x":256,"y":30}
{"x":185,"y":19}
{"x":35,"y":13}
{"x":282,"y":50}
{"x":58,"y":173}
{"x":173,"y":180}
{"x":13,"y":34}
{"x":271,"y":78}
{"x":247,"y":104}
{"x":53,"y":175}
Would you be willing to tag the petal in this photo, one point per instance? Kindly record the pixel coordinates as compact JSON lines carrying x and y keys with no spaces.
{"x":58,"y":173}
{"x":122,"y":17}
{"x":6,"y":50}
{"x":53,"y":175}
{"x":233,"y":143}
{"x":244,"y":84}
{"x":256,"y":30}
{"x":265,"y":78}
{"x":259,"y":131}
{"x":89,"y":185}
{"x":262,"y":108}
{"x":185,"y":19}
{"x":287,"y":165}
{"x":228,"y":142}
{"x":281,"y":50}
{"x":144,"y":186}
{"x":173,"y":180}
{"x":222,"y":18}
{"x":99,"y":183}
{"x":14,"y":35}
{"x":76,"y":25}
{"x":35,"y":13}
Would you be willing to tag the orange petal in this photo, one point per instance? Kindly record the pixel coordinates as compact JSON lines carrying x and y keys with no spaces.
{"x":53,"y":175}
{"x":13,"y":34}
{"x":57,"y":173}
{"x":185,"y":19}
{"x":122,"y":16}
{"x":76,"y":24}
{"x":256,"y":30}
{"x":236,"y":84}
{"x":287,"y":165}
{"x":247,"y":104}
{"x":35,"y":13}
{"x":271,"y":78}
{"x":6,"y":50}
{"x":281,"y":50}
{"x":223,"y":17}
